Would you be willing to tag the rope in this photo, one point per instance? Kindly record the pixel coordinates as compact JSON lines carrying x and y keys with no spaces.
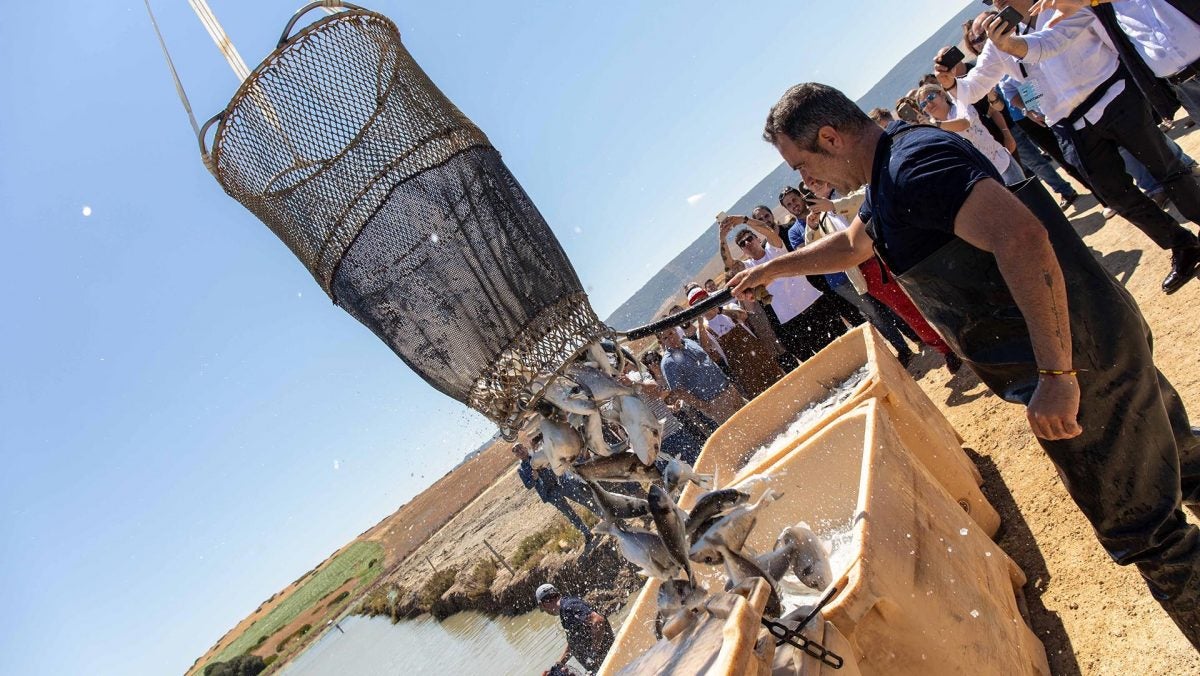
{"x":174,"y":75}
{"x":218,"y":36}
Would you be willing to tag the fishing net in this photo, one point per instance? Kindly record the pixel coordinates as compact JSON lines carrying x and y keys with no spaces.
{"x":403,"y":212}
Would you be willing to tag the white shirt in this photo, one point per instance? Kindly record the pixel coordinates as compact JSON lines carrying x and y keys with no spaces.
{"x":789,"y":295}
{"x":1066,"y":64}
{"x":979,"y":136}
{"x":1166,"y":39}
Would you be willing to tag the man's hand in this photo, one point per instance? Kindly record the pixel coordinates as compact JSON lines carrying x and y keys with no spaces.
{"x":1065,"y":8}
{"x":745,"y":282}
{"x":820,"y":204}
{"x":1054,"y":408}
{"x":731,"y":221}
{"x":944,"y":75}
{"x":1004,"y":36}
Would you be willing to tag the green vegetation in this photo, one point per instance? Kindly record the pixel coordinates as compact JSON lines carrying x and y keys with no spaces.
{"x":242,"y":665}
{"x":435,"y":587}
{"x":534,"y":547}
{"x":350,"y":564}
{"x":340,"y":597}
{"x":383,"y":600}
{"x":479,"y":580}
{"x":295,"y":634}
{"x":270,"y":659}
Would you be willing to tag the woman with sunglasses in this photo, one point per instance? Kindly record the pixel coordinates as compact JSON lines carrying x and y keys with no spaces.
{"x":952,"y":115}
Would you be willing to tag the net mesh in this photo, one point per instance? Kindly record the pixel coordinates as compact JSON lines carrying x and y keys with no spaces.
{"x":403,"y":212}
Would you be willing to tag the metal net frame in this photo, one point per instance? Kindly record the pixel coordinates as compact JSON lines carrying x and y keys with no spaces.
{"x":403,"y":212}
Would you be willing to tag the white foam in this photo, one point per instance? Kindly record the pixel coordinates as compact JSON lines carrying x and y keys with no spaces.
{"x":843,"y":550}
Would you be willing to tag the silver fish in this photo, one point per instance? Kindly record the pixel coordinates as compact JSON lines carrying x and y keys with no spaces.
{"x":669,"y":519}
{"x":561,"y":444}
{"x":730,"y":530}
{"x":778,"y":561}
{"x":619,"y":467}
{"x":752,"y":482}
{"x":676,"y":595}
{"x":602,"y":386}
{"x":567,"y":396}
{"x":592,"y":429}
{"x":642,"y":548}
{"x":739,"y":570}
{"x":712,"y":505}
{"x":641,"y":426}
{"x":599,"y":357}
{"x":810,"y":562}
{"x":617,"y":506}
{"x":678,"y":471}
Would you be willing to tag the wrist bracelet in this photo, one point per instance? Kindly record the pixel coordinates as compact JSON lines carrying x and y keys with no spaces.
{"x":1057,"y":372}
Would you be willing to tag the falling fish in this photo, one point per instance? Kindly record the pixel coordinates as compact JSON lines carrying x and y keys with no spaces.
{"x":618,"y":467}
{"x":568,"y":397}
{"x":712,"y":505}
{"x":678,"y":471}
{"x":642,"y":548}
{"x":777,"y":562}
{"x":740,"y":570}
{"x":730,"y":530}
{"x":641,"y":426}
{"x":602,"y":386}
{"x":592,"y":428}
{"x":561,"y":444}
{"x":676,"y":597}
{"x":616,"y":506}
{"x":669,"y":520}
{"x":810,"y":559}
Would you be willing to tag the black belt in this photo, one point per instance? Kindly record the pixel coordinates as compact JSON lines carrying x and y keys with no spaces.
{"x":1092,"y":99}
{"x":1189,"y":72}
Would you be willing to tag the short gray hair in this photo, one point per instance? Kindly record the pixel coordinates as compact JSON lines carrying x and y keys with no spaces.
{"x":805,"y":108}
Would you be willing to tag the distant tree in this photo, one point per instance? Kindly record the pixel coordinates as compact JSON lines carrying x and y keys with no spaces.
{"x":242,"y":665}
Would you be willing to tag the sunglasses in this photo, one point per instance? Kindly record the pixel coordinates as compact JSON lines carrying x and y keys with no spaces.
{"x":929,"y":98}
{"x":743,"y":241}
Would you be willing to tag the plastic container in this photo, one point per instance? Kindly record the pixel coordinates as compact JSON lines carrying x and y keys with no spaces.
{"x":922,"y":590}
{"x":922,"y":428}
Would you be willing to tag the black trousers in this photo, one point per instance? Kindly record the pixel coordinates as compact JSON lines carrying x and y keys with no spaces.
{"x":810,"y":331}
{"x":1046,"y":140}
{"x":1128,"y":122}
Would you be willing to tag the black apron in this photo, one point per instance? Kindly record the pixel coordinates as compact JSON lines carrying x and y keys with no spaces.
{"x":1124,"y":471}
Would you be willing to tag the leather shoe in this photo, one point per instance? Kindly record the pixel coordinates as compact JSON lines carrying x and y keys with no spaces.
{"x":1067,"y":200}
{"x":1184,"y":260}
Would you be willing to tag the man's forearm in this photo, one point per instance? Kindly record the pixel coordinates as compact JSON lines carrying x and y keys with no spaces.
{"x":1035,"y":279}
{"x":833,"y":253}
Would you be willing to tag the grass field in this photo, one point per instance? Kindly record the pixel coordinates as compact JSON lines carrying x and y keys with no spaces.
{"x":352,"y":563}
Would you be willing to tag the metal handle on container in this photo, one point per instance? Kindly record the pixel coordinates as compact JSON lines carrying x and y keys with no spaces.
{"x":204,"y":132}
{"x":305,"y":10}
{"x":719,"y":298}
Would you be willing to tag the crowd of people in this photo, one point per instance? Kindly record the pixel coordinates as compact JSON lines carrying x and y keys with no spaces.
{"x":932,"y":222}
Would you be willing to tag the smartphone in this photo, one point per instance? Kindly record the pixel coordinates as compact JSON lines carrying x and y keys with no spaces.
{"x":907,"y":112}
{"x":1011,"y":18}
{"x":951,"y":58}
{"x":721,"y":216}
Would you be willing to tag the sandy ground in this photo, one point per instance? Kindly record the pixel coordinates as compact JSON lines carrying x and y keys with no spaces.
{"x":1094,"y":617}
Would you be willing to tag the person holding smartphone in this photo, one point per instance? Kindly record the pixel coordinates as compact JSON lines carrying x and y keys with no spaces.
{"x":959,"y":117}
{"x":1070,"y":74}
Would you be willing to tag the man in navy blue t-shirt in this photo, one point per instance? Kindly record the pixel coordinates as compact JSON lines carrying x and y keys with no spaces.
{"x":589,"y":635}
{"x":1024,"y":302}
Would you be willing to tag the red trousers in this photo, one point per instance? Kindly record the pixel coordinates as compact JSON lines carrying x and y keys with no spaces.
{"x":891,"y":295}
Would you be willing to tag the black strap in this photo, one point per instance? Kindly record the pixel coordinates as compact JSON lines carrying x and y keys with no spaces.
{"x":1092,"y":99}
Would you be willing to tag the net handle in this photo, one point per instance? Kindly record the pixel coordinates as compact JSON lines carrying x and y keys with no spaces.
{"x":331,"y":4}
{"x":203,"y":132}
{"x":719,"y":298}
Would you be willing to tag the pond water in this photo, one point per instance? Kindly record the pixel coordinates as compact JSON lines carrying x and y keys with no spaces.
{"x":463,"y":644}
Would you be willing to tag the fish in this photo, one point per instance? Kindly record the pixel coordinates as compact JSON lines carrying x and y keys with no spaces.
{"x":678,"y":471}
{"x":730,"y":530}
{"x":592,"y":429}
{"x":740,"y":570}
{"x":599,"y":357}
{"x":677,"y":599}
{"x":642,"y":548}
{"x":566,"y":396}
{"x":668,"y":519}
{"x":810,"y":562}
{"x":641,"y":426}
{"x":602,"y":385}
{"x":615,"y":505}
{"x":751,"y":483}
{"x":778,"y":561}
{"x":561,"y":444}
{"x":712,"y":505}
{"x":618,"y":467}
{"x":538,"y":459}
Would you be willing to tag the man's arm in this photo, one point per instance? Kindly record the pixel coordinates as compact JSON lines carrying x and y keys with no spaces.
{"x":992,"y":65}
{"x":835,"y":253}
{"x":1050,"y":41}
{"x":731,"y":264}
{"x":994,"y":220}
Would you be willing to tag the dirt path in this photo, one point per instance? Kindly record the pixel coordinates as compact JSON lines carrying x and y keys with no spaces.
{"x":1094,"y":617}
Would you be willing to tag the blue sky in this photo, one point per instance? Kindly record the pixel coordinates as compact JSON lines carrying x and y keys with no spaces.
{"x":188,"y":424}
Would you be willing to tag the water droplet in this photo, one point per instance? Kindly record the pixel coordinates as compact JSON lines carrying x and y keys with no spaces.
{"x":87,"y":210}
{"x":974,"y":613}
{"x":433,"y":237}
{"x":987,"y":553}
{"x":963,"y":531}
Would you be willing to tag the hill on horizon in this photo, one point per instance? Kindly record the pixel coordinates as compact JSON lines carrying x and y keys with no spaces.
{"x":641,"y":307}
